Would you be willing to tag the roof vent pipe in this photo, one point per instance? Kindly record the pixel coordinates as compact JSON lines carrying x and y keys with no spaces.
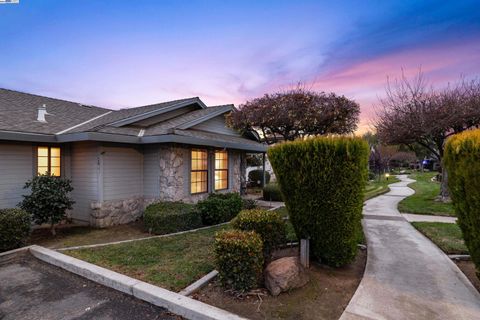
{"x":42,"y":111}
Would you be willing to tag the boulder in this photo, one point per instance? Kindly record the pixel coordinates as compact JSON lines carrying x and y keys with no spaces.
{"x":285,"y":274}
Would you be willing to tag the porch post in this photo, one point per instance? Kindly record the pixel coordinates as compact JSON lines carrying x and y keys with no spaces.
{"x":263,"y":170}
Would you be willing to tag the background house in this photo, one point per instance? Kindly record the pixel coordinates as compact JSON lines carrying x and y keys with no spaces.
{"x":120,"y":161}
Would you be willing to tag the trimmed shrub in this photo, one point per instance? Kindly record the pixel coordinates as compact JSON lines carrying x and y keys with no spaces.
{"x":239,"y":259}
{"x":169,"y":217}
{"x":271,"y":192}
{"x":461,"y":159}
{"x":219,"y":207}
{"x":248,"y":204}
{"x":15,"y":226}
{"x":322,"y":181}
{"x":255,"y":177}
{"x":268,"y":224}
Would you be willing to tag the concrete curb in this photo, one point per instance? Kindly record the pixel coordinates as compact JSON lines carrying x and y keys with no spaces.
{"x":138,"y":239}
{"x":199,"y":284}
{"x":460,"y":257}
{"x":174,"y":302}
{"x":6,"y":253}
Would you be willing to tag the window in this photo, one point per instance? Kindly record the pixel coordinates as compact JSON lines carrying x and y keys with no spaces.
{"x":199,"y":173}
{"x":221,"y":170}
{"x":48,"y":161}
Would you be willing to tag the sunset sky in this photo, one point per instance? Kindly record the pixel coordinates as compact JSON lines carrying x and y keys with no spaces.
{"x":121,"y":54}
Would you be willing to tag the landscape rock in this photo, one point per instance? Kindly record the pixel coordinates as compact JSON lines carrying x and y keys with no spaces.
{"x":285,"y":274}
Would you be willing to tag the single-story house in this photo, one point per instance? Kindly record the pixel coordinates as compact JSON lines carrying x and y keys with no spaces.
{"x":120,"y":160}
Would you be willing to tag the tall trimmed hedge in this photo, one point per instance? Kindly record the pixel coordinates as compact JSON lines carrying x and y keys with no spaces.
{"x":323,"y":180}
{"x":220,"y":207}
{"x":169,"y":217}
{"x":462,"y":162}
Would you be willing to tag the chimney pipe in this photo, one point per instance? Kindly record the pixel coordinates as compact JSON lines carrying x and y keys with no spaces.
{"x":42,"y":111}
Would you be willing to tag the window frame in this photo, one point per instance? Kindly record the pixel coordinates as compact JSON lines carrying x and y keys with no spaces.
{"x":226,"y":169}
{"x":207,"y":171}
{"x":49,"y":160}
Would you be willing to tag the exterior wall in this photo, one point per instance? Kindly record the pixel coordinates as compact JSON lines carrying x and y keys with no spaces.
{"x":16,"y":167}
{"x":216,"y":125}
{"x":151,"y":172}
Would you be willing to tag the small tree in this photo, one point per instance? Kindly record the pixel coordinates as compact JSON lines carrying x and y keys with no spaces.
{"x":48,"y":200}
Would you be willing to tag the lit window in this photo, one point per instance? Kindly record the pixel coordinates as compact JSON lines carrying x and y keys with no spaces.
{"x":199,"y":173}
{"x":221,"y":170}
{"x":48,"y":161}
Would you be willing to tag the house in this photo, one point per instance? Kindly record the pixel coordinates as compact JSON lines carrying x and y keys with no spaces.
{"x":119,"y":161}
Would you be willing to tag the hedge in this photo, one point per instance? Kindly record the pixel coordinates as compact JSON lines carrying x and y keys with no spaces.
{"x":169,"y":217}
{"x":462,"y":163}
{"x":322,"y":181}
{"x":15,"y":226}
{"x":256,"y":176}
{"x":219,"y":207}
{"x":239,"y":259}
{"x":271,"y":192}
{"x":268,"y":224}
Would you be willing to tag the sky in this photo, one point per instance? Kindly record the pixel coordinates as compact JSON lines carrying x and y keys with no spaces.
{"x":121,"y":54}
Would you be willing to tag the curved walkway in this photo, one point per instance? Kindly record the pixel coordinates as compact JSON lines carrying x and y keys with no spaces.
{"x":407,"y":276}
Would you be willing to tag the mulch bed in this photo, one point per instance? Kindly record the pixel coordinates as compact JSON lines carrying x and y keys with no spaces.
{"x":468,"y":268}
{"x":324,"y":297}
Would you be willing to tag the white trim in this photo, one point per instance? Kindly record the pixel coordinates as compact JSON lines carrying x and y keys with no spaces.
{"x":85,"y":122}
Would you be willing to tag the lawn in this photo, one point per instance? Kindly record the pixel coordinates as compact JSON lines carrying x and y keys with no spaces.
{"x":171,"y":262}
{"x":447,"y":236}
{"x":378,"y":186}
{"x":423,"y":201}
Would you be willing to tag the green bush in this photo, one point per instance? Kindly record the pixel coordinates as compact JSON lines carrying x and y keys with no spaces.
{"x":219,"y":207}
{"x":248,"y":204}
{"x":461,"y":159}
{"x":271,"y":192}
{"x":255,"y":177}
{"x":239,"y":259}
{"x":268,"y":224}
{"x":169,"y":217}
{"x":15,"y":226}
{"x":323,"y":180}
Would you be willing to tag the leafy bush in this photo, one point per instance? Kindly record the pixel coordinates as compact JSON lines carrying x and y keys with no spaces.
{"x":219,"y":207}
{"x":256,"y":177}
{"x":169,"y":217}
{"x":268,"y":224}
{"x":14,"y":228}
{"x":248,"y":204}
{"x":48,"y":201}
{"x":323,"y":180}
{"x":461,"y":159}
{"x":239,"y":259}
{"x":271,"y":192}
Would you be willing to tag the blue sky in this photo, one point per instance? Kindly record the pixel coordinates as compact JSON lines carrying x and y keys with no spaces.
{"x":128,"y":53}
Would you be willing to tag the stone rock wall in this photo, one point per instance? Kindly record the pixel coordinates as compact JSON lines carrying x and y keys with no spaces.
{"x":115,"y":212}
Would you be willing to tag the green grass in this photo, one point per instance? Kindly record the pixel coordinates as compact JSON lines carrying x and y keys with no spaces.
{"x":423,"y":201}
{"x":171,"y":262}
{"x":378,"y":186}
{"x":447,"y":236}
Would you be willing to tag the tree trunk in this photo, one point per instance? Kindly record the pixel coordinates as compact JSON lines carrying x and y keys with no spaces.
{"x":444,"y":193}
{"x":52,"y":229}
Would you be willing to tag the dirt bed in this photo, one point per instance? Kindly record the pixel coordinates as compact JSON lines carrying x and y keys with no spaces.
{"x":468,"y":268}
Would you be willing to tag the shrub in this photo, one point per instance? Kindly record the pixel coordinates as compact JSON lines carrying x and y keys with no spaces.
{"x":461,"y":159}
{"x":169,"y":217}
{"x":248,"y":204}
{"x":239,"y":259}
{"x":14,"y":228}
{"x":323,"y":180}
{"x":256,"y":178}
{"x":219,"y":207}
{"x":271,"y":192}
{"x":48,"y":201}
{"x":268,"y":224}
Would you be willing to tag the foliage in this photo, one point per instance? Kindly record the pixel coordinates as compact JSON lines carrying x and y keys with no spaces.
{"x":323,"y":181}
{"x":248,"y":204}
{"x":169,"y":217}
{"x":253,"y":159}
{"x":271,"y":192}
{"x":15,"y":225}
{"x":219,"y":207}
{"x":48,"y":201}
{"x":268,"y":224}
{"x":255,"y":177}
{"x":297,"y":113}
{"x":239,"y":259}
{"x":462,"y":154}
{"x":447,"y":236}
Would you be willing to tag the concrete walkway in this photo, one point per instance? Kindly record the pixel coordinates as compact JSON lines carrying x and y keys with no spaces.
{"x":427,"y":218}
{"x":407,"y":276}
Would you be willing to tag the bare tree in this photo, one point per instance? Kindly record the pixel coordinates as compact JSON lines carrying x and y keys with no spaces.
{"x":413,"y":113}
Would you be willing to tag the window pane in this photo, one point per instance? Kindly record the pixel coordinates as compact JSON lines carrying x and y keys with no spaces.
{"x":55,"y":171}
{"x":43,"y":151}
{"x":55,"y":162}
{"x":221,"y":160}
{"x":42,"y":170}
{"x":221,"y":179}
{"x":43,"y":162}
{"x":55,"y":152}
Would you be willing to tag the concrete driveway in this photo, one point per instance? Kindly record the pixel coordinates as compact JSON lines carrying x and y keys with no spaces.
{"x":31,"y":289}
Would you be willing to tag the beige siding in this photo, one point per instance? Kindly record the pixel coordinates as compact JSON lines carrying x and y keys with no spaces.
{"x":16,"y":167}
{"x":216,"y":125}
{"x":84,"y":171}
{"x":122,"y":172}
{"x":151,"y":172}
